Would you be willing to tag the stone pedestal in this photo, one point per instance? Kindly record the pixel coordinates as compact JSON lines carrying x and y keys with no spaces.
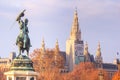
{"x":21,"y":69}
{"x":21,"y":75}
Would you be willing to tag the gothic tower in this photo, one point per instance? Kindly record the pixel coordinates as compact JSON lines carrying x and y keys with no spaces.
{"x":74,"y":45}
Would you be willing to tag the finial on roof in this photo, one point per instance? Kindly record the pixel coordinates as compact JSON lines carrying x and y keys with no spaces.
{"x":56,"y":47}
{"x":99,"y":45}
{"x":75,"y":10}
{"x":86,"y":43}
{"x":56,"y":41}
{"x":43,"y":40}
{"x":43,"y":45}
{"x":98,"y":53}
{"x":57,"y":44}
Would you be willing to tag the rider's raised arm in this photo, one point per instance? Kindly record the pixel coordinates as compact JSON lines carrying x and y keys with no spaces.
{"x":21,"y":23}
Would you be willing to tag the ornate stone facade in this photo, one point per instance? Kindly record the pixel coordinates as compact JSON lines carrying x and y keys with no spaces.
{"x":76,"y":52}
{"x":74,"y":45}
{"x":7,"y":61}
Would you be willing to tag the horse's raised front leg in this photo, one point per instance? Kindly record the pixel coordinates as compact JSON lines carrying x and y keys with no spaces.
{"x":27,"y":52}
{"x":19,"y":51}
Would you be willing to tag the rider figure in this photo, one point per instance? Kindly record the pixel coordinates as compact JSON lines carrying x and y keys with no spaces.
{"x":23,"y":32}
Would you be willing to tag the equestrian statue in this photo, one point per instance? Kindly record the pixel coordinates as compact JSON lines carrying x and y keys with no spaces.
{"x":23,"y":40}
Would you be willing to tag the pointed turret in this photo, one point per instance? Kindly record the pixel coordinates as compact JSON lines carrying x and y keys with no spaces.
{"x":87,"y":54}
{"x":98,"y":57}
{"x":86,"y":49}
{"x":57,"y":54}
{"x":56,"y":47}
{"x":98,"y":52}
{"x":75,"y":32}
{"x":43,"y":46}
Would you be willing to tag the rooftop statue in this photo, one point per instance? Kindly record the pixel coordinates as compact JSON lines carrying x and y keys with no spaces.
{"x":23,"y":40}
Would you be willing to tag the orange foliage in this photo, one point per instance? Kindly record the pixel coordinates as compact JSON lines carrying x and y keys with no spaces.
{"x":116,"y":76}
{"x":85,"y":71}
{"x":44,"y":65}
{"x":3,"y":68}
{"x":51,"y":75}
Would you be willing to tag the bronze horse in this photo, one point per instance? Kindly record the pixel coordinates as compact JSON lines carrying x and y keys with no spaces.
{"x":20,"y":43}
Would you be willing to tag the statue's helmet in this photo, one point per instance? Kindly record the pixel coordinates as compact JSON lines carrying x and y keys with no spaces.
{"x":26,"y":21}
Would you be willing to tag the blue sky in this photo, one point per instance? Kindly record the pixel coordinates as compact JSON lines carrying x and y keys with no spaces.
{"x":52,"y":19}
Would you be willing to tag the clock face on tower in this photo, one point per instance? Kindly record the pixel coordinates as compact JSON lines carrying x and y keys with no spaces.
{"x":78,"y":50}
{"x":79,"y":53}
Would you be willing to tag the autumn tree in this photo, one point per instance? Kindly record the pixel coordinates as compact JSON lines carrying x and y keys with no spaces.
{"x":47,"y":62}
{"x":3,"y":68}
{"x":116,"y":76}
{"x":85,"y":71}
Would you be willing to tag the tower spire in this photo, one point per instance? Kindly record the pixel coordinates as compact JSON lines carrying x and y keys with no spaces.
{"x":74,"y":45}
{"x":75,"y":32}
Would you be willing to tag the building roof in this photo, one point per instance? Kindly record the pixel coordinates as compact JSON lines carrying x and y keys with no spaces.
{"x":63,"y":53}
{"x":92,"y":58}
{"x":109,"y":66}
